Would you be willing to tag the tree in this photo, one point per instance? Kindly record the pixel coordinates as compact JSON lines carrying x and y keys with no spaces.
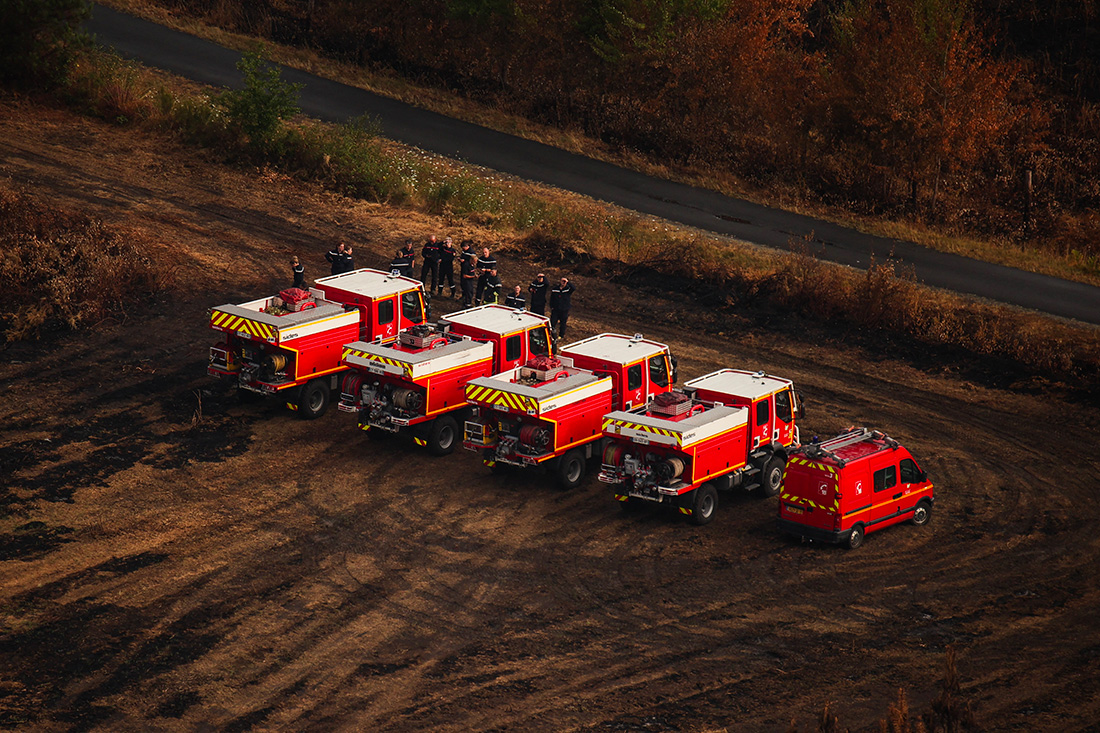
{"x":37,"y":38}
{"x":264,"y":102}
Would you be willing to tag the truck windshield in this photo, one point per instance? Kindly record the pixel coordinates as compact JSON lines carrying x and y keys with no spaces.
{"x":658,"y":370}
{"x":412,"y":307}
{"x":539,"y":342}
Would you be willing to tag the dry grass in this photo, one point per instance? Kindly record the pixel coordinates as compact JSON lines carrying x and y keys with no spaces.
{"x":1050,"y":258}
{"x":65,"y":270}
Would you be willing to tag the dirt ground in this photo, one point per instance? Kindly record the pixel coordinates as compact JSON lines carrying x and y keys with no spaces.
{"x":173,"y":560}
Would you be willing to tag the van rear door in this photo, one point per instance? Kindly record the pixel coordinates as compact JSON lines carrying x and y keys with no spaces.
{"x":808,"y":495}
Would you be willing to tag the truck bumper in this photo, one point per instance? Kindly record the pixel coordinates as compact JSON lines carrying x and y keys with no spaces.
{"x":812,"y":533}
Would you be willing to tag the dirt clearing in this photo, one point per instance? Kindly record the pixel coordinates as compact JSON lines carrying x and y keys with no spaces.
{"x":171,"y":559}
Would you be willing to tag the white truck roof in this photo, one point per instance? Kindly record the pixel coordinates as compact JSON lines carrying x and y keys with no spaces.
{"x":499,"y":319}
{"x":739,"y":383}
{"x":249,"y":318}
{"x":415,"y":364}
{"x":681,"y":432}
{"x":615,"y":347}
{"x":369,"y":283}
{"x":538,"y":399}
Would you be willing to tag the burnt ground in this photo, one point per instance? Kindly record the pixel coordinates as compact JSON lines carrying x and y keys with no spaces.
{"x":171,"y":559}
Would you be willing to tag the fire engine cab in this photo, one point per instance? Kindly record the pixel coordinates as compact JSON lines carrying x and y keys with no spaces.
{"x":549,"y":412}
{"x":858,"y":482}
{"x":418,"y":383}
{"x":725,"y":430}
{"x":290,"y":345}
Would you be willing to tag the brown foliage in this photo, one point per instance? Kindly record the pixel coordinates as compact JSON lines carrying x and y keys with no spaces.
{"x":64,"y":270}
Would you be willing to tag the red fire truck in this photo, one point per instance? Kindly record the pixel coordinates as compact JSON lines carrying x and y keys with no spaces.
{"x":858,"y":482}
{"x":290,"y":345}
{"x":418,"y":383}
{"x":548,"y":413}
{"x":728,"y":429}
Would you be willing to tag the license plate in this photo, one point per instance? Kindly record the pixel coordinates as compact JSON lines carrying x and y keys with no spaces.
{"x":374,"y":368}
{"x":796,"y":510}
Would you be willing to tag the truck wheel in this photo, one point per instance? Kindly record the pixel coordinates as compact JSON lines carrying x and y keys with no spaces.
{"x":921,"y":514}
{"x":771,"y":480}
{"x":441,"y":436}
{"x":855,"y":537}
{"x":571,"y":469}
{"x":703,"y":504}
{"x":313,"y":402}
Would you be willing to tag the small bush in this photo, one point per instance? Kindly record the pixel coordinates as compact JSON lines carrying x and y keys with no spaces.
{"x":38,"y":39}
{"x":64,"y":270}
{"x":266,"y":100}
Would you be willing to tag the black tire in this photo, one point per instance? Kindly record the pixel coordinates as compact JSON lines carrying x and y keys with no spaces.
{"x":855,"y":537}
{"x":922,"y":513}
{"x":442,"y":436}
{"x":771,"y":478}
{"x":571,"y":469}
{"x":314,"y":399}
{"x":704,"y":503}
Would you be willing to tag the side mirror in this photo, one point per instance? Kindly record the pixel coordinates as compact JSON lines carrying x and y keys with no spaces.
{"x":675,"y":369}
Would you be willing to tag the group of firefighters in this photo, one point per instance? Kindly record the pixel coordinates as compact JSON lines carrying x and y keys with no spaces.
{"x":477,"y":278}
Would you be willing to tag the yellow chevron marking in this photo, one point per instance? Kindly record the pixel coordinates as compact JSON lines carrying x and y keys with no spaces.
{"x":685,"y":510}
{"x":513,"y":402}
{"x":239,"y":323}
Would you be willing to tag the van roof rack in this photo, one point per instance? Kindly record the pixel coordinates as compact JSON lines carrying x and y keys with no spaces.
{"x":828,"y":448}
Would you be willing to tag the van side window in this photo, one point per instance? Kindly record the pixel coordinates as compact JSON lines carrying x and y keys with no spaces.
{"x":385,"y":311}
{"x":633,"y":377}
{"x":910,"y":474}
{"x":512,"y":348}
{"x":538,"y":342}
{"x":783,"y":406}
{"x":658,"y":370}
{"x":762,"y":412}
{"x":411,"y":307}
{"x":886,"y":478}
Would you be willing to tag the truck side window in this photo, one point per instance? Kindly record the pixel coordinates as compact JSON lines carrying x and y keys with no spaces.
{"x":512,"y":348}
{"x":385,"y":311}
{"x":538,"y":342}
{"x":886,"y":478}
{"x":762,"y":412}
{"x":411,"y":306}
{"x":910,"y":474}
{"x":633,"y":377}
{"x":658,"y":370}
{"x":783,"y":406}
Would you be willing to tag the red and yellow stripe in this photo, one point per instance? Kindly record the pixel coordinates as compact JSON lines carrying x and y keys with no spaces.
{"x":241,"y":324}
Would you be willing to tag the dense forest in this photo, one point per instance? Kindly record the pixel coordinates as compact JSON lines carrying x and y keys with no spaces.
{"x":977,"y":116}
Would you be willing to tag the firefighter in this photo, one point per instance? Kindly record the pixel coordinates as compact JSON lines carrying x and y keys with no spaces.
{"x":299,"y":273}
{"x":492,"y":287}
{"x":560,"y":305}
{"x":402,"y":263}
{"x":430,"y":253}
{"x":335,"y":258}
{"x":486,"y":264}
{"x":347,"y":262}
{"x":447,"y":265}
{"x":467,"y":273}
{"x":538,"y":289}
{"x":515,"y":298}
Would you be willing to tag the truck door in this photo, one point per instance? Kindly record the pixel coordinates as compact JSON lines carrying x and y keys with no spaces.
{"x":511,"y":352}
{"x":783,"y":431}
{"x":762,"y":422}
{"x":634,"y":391}
{"x":887,"y":494}
{"x":384,"y":323}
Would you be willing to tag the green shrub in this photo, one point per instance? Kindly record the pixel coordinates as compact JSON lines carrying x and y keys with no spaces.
{"x":266,"y":100}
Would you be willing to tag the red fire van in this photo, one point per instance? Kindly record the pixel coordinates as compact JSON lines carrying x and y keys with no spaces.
{"x":858,"y":482}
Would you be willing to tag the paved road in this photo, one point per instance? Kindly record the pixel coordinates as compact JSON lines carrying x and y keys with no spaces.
{"x":209,"y":63}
